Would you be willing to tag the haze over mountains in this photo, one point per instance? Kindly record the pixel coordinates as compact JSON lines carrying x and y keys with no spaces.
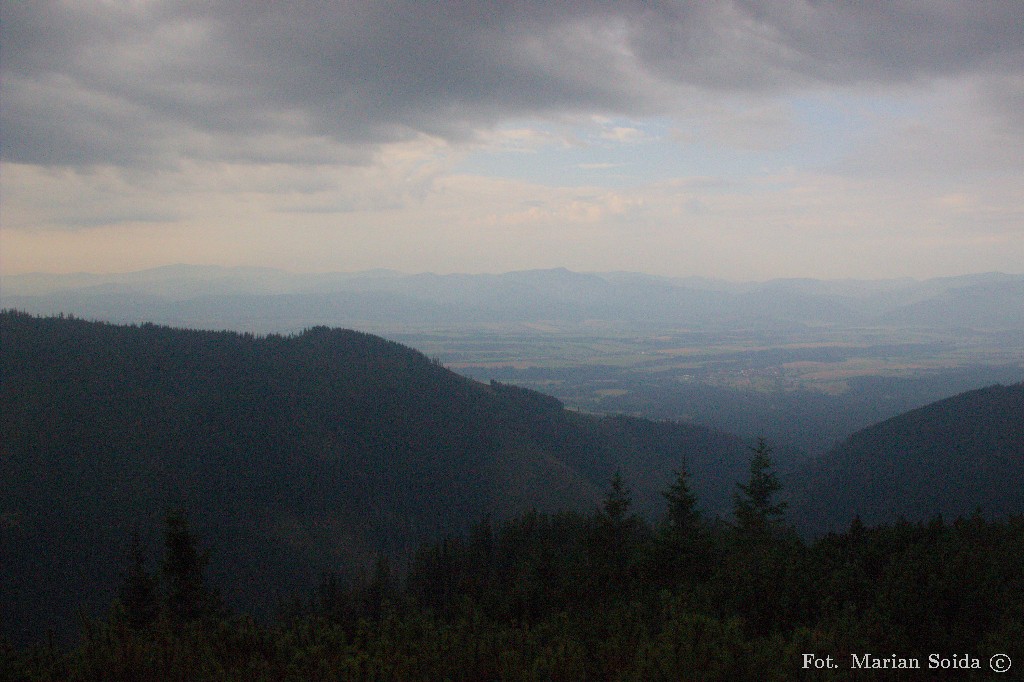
{"x":266,"y":300}
{"x":804,"y":362}
{"x":319,"y":450}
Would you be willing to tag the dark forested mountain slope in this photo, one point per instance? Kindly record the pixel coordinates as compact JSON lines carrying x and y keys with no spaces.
{"x":293,"y":455}
{"x":951,"y":457}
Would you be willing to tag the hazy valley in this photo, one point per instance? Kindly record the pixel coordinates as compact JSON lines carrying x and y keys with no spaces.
{"x":802,"y":362}
{"x":307,"y":454}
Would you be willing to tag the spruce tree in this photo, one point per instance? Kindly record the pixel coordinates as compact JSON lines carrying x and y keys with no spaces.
{"x":756,"y":512}
{"x":187,"y":596}
{"x":615,"y":539}
{"x":682,"y":516}
{"x":138,"y":594}
{"x":682,"y":553}
{"x":616,"y":505}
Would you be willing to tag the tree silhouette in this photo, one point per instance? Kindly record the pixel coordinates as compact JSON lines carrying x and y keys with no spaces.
{"x":681,"y":517}
{"x":615,"y":539}
{"x":683,"y":547}
{"x":187,"y":597}
{"x":756,"y":513}
{"x":138,"y":594}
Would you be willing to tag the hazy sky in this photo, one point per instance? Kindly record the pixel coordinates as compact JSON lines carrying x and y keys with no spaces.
{"x":744,"y":140}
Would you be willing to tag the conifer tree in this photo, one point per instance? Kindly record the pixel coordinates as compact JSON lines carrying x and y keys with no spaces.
{"x":187,"y":596}
{"x":756,"y":512}
{"x":682,"y":516}
{"x":683,"y":548}
{"x":616,"y":505}
{"x":615,"y":538}
{"x":138,"y":594}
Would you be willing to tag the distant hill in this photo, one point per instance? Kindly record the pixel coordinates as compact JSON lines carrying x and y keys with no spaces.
{"x":998,"y":304}
{"x":951,"y":457}
{"x":293,"y":455}
{"x":266,"y":300}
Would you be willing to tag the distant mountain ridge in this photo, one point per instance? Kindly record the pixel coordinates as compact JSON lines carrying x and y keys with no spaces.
{"x":950,"y":458}
{"x":259,"y":299}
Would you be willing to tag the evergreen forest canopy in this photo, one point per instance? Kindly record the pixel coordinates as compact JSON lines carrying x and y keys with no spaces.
{"x":599,"y":596}
{"x":302,"y":454}
{"x":574,"y":550}
{"x":952,"y":457}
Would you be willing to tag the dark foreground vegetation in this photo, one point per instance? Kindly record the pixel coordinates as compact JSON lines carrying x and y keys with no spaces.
{"x":570,"y":596}
{"x":304,"y":461}
{"x":296,"y":455}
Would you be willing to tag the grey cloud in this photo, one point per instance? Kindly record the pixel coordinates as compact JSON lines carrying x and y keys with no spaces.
{"x":893,"y":42}
{"x":1004,"y":96}
{"x":771,"y":44}
{"x":142,"y":83}
{"x":382,"y":70}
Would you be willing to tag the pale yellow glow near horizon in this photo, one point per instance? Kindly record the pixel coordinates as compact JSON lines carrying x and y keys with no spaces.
{"x":411,"y":212}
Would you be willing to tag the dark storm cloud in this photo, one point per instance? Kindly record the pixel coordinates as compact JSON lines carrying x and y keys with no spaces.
{"x":150,"y":82}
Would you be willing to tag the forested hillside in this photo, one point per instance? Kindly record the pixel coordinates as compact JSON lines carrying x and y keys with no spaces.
{"x":294,"y":455}
{"x":599,"y":596}
{"x":952,"y":457}
{"x":319,"y":454}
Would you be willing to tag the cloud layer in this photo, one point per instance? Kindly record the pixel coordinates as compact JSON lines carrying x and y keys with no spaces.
{"x":150,"y":82}
{"x":470,"y":135}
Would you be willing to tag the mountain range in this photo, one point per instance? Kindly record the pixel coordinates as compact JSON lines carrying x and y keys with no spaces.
{"x":266,"y":300}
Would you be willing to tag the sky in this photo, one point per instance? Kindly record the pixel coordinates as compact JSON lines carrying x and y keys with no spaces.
{"x":744,"y":140}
